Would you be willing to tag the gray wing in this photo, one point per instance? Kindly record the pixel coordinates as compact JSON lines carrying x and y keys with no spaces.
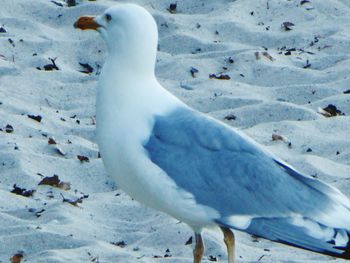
{"x":230,"y":173}
{"x":224,"y":170}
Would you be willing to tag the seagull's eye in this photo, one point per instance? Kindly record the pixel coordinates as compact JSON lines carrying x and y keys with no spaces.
{"x":108,"y":17}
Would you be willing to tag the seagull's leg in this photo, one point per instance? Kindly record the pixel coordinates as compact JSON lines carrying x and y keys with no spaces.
{"x":198,"y":249}
{"x":229,"y":239}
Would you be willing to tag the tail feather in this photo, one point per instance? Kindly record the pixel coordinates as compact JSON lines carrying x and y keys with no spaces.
{"x":309,"y":235}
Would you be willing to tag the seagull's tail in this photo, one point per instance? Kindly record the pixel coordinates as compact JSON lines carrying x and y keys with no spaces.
{"x":303,"y":233}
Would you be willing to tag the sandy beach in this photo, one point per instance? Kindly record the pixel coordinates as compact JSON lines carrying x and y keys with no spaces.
{"x":277,"y":70}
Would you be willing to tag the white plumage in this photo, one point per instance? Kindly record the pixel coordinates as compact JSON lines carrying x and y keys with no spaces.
{"x":200,"y":171}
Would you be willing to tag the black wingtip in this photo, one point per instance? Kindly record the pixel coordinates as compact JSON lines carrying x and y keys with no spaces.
{"x":344,"y":251}
{"x":346,"y":254}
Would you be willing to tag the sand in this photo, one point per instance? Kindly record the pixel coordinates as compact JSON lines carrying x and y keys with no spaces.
{"x":281,"y":76}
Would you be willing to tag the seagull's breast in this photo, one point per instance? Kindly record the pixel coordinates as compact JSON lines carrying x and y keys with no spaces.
{"x":125,"y":120}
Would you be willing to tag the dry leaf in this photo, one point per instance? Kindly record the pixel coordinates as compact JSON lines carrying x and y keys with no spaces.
{"x":167,"y":253}
{"x":267,"y":55}
{"x":172,"y":8}
{"x":329,"y":111}
{"x":212,"y":258}
{"x":193,"y":72}
{"x":51,"y":66}
{"x":51,"y":141}
{"x":22,"y":191}
{"x":55,"y":181}
{"x":9,"y":128}
{"x":87,"y":68}
{"x":221,"y":76}
{"x":308,"y":64}
{"x":287,"y":26}
{"x":189,"y":241}
{"x":230,"y":117}
{"x":74,"y":202}
{"x":71,"y":3}
{"x":119,"y":244}
{"x":304,"y":2}
{"x":332,"y":110}
{"x":17,"y":258}
{"x":83,"y":158}
{"x":277,"y":137}
{"x":56,"y":3}
{"x":257,"y":55}
{"x":35,"y":117}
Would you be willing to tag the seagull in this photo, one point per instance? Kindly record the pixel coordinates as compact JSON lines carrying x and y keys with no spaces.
{"x":195,"y":168}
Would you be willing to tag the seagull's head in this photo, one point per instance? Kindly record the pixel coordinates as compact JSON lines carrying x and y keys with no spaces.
{"x":129,"y":31}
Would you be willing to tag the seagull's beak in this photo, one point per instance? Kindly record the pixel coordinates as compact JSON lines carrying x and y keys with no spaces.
{"x":87,"y":22}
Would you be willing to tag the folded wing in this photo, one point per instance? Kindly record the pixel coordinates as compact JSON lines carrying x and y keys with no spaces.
{"x":251,"y":189}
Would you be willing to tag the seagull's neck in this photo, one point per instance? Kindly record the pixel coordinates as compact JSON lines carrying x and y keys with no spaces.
{"x":132,"y":60}
{"x":127,"y":101}
{"x":123,"y":87}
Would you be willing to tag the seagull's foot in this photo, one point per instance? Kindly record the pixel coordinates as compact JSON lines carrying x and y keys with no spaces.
{"x":198,"y":249}
{"x":229,"y":239}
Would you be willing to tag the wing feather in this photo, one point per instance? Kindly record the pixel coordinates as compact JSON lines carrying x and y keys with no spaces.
{"x":251,"y":189}
{"x":225,"y":170}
